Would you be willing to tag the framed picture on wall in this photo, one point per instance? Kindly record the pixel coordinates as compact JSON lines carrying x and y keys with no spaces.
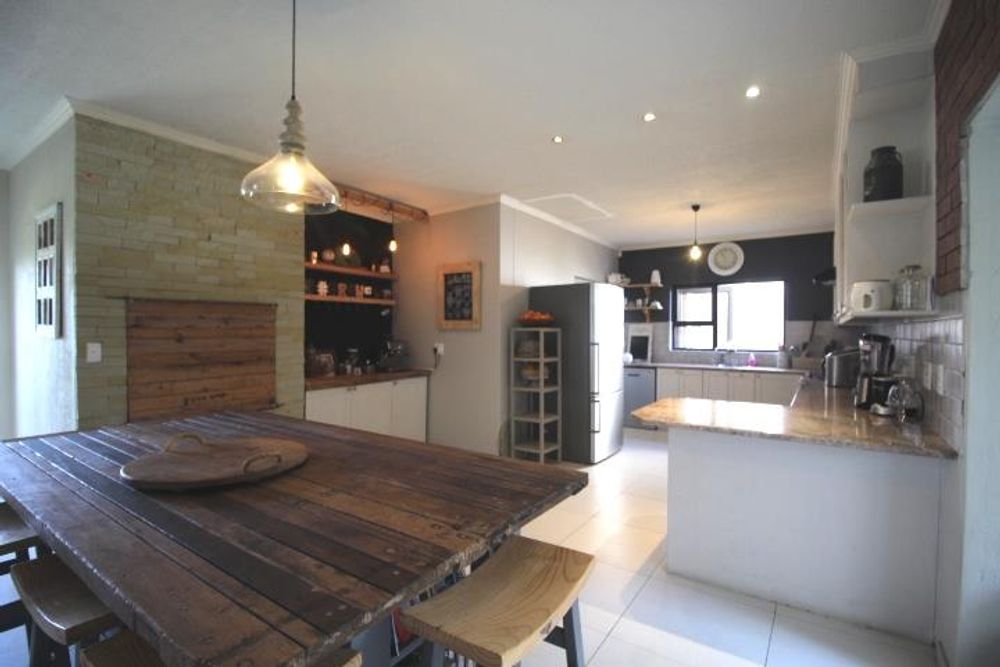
{"x":459,"y":306}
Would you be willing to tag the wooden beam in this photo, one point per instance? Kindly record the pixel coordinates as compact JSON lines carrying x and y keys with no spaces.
{"x":377,"y":207}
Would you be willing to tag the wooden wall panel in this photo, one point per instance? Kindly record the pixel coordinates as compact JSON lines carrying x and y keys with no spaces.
{"x":191,"y":357}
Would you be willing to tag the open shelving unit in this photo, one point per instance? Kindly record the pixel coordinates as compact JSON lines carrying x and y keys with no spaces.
{"x":647,"y":290}
{"x":354,"y":272}
{"x":535,"y":396}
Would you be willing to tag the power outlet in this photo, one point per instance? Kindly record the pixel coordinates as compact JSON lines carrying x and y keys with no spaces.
{"x":95,"y":353}
{"x":439,"y":349}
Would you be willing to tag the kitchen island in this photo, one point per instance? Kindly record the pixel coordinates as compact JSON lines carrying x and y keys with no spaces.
{"x":813,"y":504}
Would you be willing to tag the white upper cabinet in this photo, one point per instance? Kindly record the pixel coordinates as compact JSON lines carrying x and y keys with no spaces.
{"x":888,"y":102}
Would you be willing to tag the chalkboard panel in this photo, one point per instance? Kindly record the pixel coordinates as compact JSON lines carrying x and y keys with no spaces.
{"x":458,"y":299}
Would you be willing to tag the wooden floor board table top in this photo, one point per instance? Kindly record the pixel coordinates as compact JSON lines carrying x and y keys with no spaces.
{"x":278,"y":572}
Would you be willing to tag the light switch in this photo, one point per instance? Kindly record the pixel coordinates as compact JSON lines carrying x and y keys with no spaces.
{"x":439,"y":349}
{"x":95,"y":352}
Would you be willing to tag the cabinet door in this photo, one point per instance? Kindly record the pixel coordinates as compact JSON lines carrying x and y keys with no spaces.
{"x":776,"y":387}
{"x":409,"y":409}
{"x":691,"y":384}
{"x":742,"y":386}
{"x":716,"y":385}
{"x":668,"y":383}
{"x":329,"y":406}
{"x":371,"y":407}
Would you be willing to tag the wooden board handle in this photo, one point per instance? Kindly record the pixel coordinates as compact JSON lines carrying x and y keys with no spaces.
{"x":184,"y":436}
{"x":264,"y":455}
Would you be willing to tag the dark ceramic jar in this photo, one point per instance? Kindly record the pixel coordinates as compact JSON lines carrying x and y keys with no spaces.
{"x":884,"y":174}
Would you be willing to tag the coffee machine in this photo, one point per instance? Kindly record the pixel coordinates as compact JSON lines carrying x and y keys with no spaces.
{"x":874,"y":377}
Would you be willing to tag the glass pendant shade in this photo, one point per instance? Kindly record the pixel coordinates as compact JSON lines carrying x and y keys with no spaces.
{"x":695,"y":252}
{"x":289,"y":182}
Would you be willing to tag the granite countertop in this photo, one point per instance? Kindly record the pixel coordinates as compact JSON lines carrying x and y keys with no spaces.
{"x":817,"y":415}
{"x":716,"y":367}
{"x":333,"y":381}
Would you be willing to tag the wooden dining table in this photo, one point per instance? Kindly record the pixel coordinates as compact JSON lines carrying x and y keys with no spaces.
{"x":284,"y":571}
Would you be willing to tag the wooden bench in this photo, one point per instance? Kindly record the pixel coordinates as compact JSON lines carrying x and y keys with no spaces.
{"x":508,"y":606}
{"x":63,"y":610}
{"x":125,"y":649}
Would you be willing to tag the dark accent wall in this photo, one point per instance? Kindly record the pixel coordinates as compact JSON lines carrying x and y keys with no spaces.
{"x":966,"y":64}
{"x":335,"y":326}
{"x":794,"y":259}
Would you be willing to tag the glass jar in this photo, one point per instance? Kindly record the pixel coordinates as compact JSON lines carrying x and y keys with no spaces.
{"x":884,"y":174}
{"x":905,"y":401}
{"x":911,"y":289}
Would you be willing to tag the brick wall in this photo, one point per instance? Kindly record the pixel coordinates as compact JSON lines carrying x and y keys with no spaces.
{"x":159,"y":219}
{"x":966,"y":63}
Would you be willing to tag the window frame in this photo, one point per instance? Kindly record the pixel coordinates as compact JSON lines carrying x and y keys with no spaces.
{"x":714,"y":322}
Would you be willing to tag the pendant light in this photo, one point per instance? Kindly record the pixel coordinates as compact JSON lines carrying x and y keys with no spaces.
{"x":694,"y":252}
{"x":289,"y":182}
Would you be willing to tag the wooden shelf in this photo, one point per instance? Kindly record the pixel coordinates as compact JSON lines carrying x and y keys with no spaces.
{"x":876,"y":212}
{"x":355,"y":271}
{"x":544,"y":360}
{"x":642,"y":286}
{"x":874,"y":315}
{"x":350,"y":299}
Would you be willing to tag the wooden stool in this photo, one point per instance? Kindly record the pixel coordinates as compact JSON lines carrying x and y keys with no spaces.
{"x":16,"y":538}
{"x":62,"y":608}
{"x":508,"y":606}
{"x":125,"y":649}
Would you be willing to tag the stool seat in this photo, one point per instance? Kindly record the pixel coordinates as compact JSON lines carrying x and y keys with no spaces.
{"x":58,"y":602}
{"x":507,"y":606}
{"x":15,"y":535}
{"x":125,"y":649}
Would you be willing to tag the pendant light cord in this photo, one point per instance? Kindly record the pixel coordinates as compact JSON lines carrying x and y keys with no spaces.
{"x":293,"y":48}
{"x":696,"y":208}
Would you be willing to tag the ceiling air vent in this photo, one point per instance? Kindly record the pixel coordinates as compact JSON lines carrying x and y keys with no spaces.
{"x":569,"y":207}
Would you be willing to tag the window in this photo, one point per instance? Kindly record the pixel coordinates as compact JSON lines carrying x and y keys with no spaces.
{"x":733,"y":316}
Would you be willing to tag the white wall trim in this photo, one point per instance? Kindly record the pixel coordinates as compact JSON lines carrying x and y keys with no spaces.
{"x":802,"y":231}
{"x":519,"y":205}
{"x":45,"y":128}
{"x":466,"y":205}
{"x":98,"y":112}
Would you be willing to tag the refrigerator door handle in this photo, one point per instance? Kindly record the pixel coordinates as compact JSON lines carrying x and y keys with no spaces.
{"x":595,"y":415}
{"x":595,"y":368}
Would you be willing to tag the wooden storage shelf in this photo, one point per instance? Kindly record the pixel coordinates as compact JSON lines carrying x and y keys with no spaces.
{"x":350,"y":299}
{"x":643,"y":286}
{"x":535,"y":419}
{"x":536,"y":360}
{"x":545,"y":389}
{"x":354,"y":271}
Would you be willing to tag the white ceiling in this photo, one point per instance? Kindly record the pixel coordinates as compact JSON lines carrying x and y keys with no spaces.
{"x":445,"y":103}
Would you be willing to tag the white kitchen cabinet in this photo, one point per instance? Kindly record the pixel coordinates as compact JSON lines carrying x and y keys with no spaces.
{"x":716,"y":385}
{"x":777,"y":388}
{"x":371,"y":407}
{"x":329,"y":406}
{"x":692,"y":383}
{"x":395,"y":407}
{"x":409,"y":409}
{"x":668,"y":383}
{"x":742,"y":386}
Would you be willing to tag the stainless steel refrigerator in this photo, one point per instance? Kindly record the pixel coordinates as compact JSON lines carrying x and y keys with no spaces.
{"x":592,"y":319}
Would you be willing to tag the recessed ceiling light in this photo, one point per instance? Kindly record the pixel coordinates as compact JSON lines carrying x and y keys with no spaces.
{"x":557,"y":139}
{"x":649,"y":116}
{"x":753,"y":92}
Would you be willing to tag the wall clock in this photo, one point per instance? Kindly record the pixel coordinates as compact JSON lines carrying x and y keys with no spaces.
{"x":725,"y":259}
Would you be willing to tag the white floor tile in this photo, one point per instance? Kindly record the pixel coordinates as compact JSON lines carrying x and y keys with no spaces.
{"x":800,"y":638}
{"x":617,"y":653}
{"x":555,"y":525}
{"x":547,"y":655}
{"x":623,"y":546}
{"x":637,"y":511}
{"x":695,"y":624}
{"x":607,"y":594}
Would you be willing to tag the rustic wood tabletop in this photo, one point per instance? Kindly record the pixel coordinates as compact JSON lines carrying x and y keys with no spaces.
{"x":279,"y":572}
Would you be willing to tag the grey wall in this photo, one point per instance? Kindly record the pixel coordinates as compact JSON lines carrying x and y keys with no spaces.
{"x":6,"y":352}
{"x":468,"y":397}
{"x":43,"y":368}
{"x":464,"y":391}
{"x":794,"y":259}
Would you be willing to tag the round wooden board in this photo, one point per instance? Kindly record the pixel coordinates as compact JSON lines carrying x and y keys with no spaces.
{"x":214,"y":463}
